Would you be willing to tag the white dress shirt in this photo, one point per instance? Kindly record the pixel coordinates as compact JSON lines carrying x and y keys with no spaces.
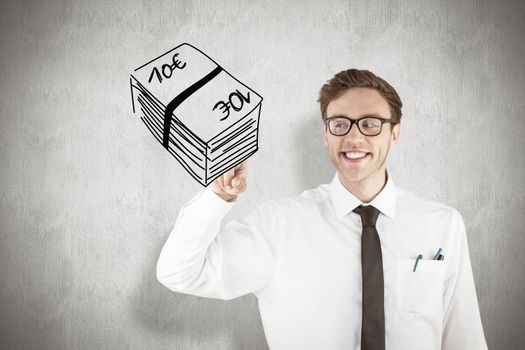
{"x":301,"y":257}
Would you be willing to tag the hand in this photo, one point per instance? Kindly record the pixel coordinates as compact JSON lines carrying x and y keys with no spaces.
{"x":231,"y":183}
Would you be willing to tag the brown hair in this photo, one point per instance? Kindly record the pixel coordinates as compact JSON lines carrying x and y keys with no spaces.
{"x":352,"y":78}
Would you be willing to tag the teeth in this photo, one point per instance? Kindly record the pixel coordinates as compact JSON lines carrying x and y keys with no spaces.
{"x":355,"y":155}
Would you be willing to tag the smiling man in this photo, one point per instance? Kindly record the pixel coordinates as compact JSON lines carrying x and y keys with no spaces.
{"x":360,"y":153}
{"x":355,"y":264}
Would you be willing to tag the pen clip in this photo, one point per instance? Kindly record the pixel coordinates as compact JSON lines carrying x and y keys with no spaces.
{"x":419,"y":257}
{"x":438,"y":253}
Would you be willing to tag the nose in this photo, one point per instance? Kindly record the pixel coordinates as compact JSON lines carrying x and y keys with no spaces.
{"x":354,"y":136}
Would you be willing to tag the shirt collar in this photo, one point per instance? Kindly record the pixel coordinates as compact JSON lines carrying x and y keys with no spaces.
{"x":344,"y":201}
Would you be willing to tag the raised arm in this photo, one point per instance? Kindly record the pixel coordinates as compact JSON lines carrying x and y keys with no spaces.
{"x":201,"y":259}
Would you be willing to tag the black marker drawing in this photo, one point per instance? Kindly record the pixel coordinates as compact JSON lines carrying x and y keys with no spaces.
{"x":201,"y":114}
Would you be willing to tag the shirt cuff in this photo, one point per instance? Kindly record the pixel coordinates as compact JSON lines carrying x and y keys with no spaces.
{"x":208,"y":206}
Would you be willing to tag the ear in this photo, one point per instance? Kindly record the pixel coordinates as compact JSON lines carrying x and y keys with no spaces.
{"x":324,"y":130}
{"x":395,"y":133}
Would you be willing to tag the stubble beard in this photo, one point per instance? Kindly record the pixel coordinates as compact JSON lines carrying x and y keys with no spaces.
{"x":373,"y":172}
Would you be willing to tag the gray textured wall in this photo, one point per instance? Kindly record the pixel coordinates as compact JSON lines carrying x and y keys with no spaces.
{"x":88,"y":197}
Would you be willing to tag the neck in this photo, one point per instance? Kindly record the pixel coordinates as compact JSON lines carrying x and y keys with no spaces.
{"x":367,"y":189}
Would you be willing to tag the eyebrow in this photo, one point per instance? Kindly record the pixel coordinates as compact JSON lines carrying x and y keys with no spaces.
{"x":363,"y":116}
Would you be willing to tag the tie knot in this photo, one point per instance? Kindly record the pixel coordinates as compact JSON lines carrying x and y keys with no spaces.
{"x":368,"y":214}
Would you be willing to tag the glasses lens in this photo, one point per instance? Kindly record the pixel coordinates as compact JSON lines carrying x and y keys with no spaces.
{"x":339,"y":126}
{"x":370,"y":126}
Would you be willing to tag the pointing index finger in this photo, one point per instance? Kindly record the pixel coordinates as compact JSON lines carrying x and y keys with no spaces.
{"x":228,"y":178}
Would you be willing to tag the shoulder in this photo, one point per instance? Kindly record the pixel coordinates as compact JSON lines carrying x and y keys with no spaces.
{"x":307,"y":198}
{"x":410,"y":203}
{"x":301,"y":203}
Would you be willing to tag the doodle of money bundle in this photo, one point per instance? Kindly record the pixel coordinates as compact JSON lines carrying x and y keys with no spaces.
{"x":202,"y":115}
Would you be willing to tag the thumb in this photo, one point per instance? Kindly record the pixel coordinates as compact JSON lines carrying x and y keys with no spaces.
{"x":239,"y":184}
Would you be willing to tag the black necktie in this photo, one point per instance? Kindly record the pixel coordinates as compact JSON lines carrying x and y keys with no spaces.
{"x":373,"y":326}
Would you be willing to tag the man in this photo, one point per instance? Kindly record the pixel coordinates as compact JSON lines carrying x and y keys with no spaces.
{"x":348,"y":265}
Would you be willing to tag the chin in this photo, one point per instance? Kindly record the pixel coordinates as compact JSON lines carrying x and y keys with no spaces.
{"x":353,"y":177}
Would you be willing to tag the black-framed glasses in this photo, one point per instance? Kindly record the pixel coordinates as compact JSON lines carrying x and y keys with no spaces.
{"x":367,"y":125}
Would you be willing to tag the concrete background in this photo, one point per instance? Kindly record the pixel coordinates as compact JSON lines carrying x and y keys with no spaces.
{"x":88,"y":197}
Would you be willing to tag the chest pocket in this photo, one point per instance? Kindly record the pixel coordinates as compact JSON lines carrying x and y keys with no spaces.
{"x":421,"y":291}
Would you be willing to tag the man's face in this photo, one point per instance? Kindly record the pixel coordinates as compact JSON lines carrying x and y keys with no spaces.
{"x":344,"y":151}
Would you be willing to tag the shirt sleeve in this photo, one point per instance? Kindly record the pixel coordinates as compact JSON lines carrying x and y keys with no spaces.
{"x":200,"y":258}
{"x":462,"y":328}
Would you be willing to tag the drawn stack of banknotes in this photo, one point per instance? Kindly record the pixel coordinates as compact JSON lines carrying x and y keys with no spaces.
{"x":202,"y":115}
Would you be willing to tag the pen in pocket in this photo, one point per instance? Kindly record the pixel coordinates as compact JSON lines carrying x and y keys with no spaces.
{"x":419,"y":257}
{"x":439,"y":255}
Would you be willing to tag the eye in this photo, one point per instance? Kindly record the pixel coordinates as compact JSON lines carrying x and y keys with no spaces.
{"x":370,"y":123}
{"x":339,"y":125}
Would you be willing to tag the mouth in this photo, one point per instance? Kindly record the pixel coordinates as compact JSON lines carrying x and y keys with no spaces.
{"x":355,"y":157}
